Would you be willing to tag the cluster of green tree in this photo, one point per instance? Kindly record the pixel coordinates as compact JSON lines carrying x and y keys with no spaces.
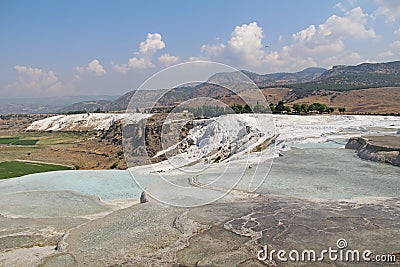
{"x":205,"y":111}
{"x":279,"y":108}
{"x":72,"y":112}
{"x":282,"y":108}
{"x":5,"y":117}
{"x":238,"y":109}
{"x":315,"y":107}
{"x":98,"y":110}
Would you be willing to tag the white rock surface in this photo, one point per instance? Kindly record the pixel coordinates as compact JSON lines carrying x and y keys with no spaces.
{"x":237,"y":135}
{"x":82,"y":122}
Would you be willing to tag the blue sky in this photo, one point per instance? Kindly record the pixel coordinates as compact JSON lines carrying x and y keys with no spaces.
{"x":110,"y":47}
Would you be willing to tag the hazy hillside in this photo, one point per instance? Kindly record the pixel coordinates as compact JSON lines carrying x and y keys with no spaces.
{"x":307,"y":86}
{"x":88,"y":106}
{"x":44,"y":105}
{"x":263,"y":80}
{"x":120,"y":103}
{"x":305,"y":75}
{"x":392,"y":68}
{"x":344,"y":78}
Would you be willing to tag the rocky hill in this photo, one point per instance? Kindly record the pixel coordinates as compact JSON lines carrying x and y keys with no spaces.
{"x":284,"y":78}
{"x":120,"y":103}
{"x":345,"y":78}
{"x":88,"y":106}
{"x":263,"y":80}
{"x":390,"y":68}
{"x":336,"y":86}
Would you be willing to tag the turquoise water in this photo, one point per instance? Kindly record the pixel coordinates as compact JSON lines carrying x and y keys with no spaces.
{"x":333,"y":174}
{"x":319,"y":173}
{"x":106,"y":184}
{"x":334,"y":143}
{"x":323,"y":173}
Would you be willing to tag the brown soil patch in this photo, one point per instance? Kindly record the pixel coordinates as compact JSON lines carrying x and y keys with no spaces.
{"x":373,"y":100}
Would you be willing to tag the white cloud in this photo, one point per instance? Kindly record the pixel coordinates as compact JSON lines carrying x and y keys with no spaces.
{"x":385,"y":55}
{"x":96,"y":67}
{"x":329,"y":37}
{"x":246,"y":44}
{"x":341,"y":7}
{"x":325,"y":43}
{"x":140,"y":63}
{"x":213,"y":51}
{"x":93,"y":66}
{"x":152,"y":44}
{"x":36,"y":77}
{"x":351,"y":25}
{"x":76,"y":77}
{"x":352,"y":2}
{"x":143,"y":58}
{"x":316,"y":45}
{"x":389,"y":9}
{"x":313,"y":41}
{"x":395,"y":44}
{"x":190,"y":59}
{"x":168,"y":60}
{"x":393,"y":50}
{"x":123,"y":68}
{"x":34,"y":80}
{"x":347,"y":58}
{"x":34,"y":73}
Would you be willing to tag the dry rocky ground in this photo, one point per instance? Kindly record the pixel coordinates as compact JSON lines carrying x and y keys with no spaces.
{"x":218,"y":234}
{"x":84,"y":150}
{"x":79,"y":230}
{"x":373,"y":100}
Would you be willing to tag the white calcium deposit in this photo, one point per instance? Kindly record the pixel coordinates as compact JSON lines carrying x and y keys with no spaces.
{"x":83,"y":122}
{"x":232,"y":138}
{"x":294,"y":129}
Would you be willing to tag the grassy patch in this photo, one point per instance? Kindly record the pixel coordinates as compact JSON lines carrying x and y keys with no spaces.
{"x":8,"y":140}
{"x":18,"y":141}
{"x":9,"y":169}
{"x":25,"y":142}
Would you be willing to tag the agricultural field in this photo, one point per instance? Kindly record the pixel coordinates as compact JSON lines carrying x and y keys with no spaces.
{"x":10,"y":169}
{"x":80,"y":150}
{"x":18,"y":141}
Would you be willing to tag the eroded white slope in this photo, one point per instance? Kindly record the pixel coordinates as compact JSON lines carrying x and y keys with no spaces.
{"x":216,"y":139}
{"x":232,"y":138}
{"x":292,"y":129}
{"x":82,"y":122}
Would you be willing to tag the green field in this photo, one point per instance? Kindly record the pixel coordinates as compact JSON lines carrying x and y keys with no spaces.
{"x":9,"y":169}
{"x":18,"y":141}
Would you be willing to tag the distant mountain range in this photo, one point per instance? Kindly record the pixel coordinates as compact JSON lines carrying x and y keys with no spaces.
{"x":345,"y":78}
{"x":47,"y":104}
{"x":291,"y":87}
{"x":336,"y":82}
{"x":303,"y":76}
